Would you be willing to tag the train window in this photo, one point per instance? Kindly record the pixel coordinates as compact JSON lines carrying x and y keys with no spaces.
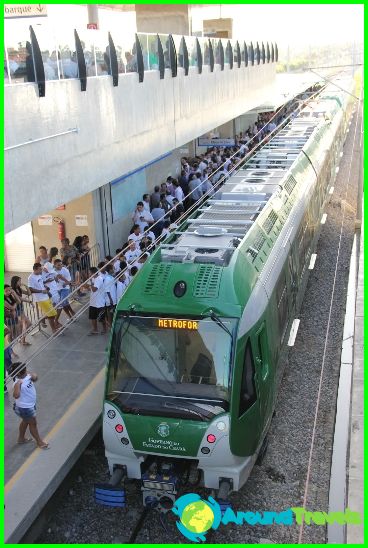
{"x":247,"y":388}
{"x":282,"y":305}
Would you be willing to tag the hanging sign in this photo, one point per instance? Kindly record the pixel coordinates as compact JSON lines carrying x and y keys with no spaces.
{"x":24,"y":10}
{"x":203,"y":142}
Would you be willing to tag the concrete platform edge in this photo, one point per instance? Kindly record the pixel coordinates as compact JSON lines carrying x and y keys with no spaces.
{"x":43,"y":472}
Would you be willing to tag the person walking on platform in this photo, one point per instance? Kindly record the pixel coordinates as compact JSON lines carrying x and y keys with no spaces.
{"x":25,"y":397}
{"x":41,"y":297}
{"x":97,"y":300}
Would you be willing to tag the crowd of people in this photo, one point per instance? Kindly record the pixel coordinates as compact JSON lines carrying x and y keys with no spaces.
{"x":57,"y":271}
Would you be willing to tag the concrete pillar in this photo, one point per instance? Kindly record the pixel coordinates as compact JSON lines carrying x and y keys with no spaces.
{"x":93,"y":14}
{"x":163,"y":18}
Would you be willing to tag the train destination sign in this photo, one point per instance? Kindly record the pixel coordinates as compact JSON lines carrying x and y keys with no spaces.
{"x":169,"y":323}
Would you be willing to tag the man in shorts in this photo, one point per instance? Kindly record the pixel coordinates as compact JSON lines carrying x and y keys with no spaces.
{"x":41,"y":297}
{"x":63,"y":281}
{"x":96,"y":300}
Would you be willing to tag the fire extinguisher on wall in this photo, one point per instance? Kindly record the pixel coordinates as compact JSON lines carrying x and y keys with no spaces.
{"x":61,"y":228}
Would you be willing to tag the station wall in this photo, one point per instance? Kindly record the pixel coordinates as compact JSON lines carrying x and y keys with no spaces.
{"x":116,"y":201}
{"x":76,"y":213}
{"x":118,"y":129}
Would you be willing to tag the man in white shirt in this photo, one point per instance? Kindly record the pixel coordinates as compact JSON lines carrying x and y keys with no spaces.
{"x":96,"y":300}
{"x":135,"y":233}
{"x":110,"y":293}
{"x":40,"y":296}
{"x":141,"y":216}
{"x":48,"y":276}
{"x":119,"y":257}
{"x":121,"y":285}
{"x":140,"y":262}
{"x":146,"y":202}
{"x":149,"y":234}
{"x":179,"y":194}
{"x":132,"y":253}
{"x":63,"y":280}
{"x":203,"y":164}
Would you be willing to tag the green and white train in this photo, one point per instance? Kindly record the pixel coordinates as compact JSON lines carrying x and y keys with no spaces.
{"x":194,"y":357}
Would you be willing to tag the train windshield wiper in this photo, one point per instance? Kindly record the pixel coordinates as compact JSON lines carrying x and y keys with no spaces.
{"x":220,"y":323}
{"x":187,"y":409}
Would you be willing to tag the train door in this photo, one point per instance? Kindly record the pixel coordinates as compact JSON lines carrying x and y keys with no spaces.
{"x":293,"y":280}
{"x":245,"y":421}
{"x":264,"y":376}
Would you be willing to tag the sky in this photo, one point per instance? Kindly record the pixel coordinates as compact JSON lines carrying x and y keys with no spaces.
{"x":287,"y":24}
{"x":291,"y":23}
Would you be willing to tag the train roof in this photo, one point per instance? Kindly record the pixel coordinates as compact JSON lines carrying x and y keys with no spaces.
{"x":236,"y":228}
{"x":251,"y":196}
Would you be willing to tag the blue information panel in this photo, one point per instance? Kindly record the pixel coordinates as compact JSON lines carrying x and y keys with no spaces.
{"x":126,"y":192}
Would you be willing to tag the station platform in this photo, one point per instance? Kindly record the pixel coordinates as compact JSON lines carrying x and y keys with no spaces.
{"x":69,"y":401}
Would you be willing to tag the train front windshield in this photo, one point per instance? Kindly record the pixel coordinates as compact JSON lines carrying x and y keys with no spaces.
{"x":171,"y":367}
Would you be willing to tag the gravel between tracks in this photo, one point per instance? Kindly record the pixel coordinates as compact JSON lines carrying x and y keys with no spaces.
{"x":279,"y":482}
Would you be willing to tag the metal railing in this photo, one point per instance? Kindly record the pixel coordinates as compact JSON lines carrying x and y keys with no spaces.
{"x":43,"y":56}
{"x":27,"y":319}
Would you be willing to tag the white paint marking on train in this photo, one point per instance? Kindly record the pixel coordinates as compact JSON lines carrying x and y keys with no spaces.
{"x":331,"y":191}
{"x":312,"y":261}
{"x":286,"y":239}
{"x":324,"y":217}
{"x":293,"y":332}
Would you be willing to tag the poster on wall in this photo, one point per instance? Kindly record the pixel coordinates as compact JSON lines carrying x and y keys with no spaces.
{"x":45,"y":220}
{"x":81,"y":220}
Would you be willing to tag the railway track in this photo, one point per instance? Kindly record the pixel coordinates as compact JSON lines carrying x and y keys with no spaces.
{"x":281,"y":479}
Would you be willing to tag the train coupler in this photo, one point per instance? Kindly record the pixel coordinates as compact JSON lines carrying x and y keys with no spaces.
{"x":159,"y":489}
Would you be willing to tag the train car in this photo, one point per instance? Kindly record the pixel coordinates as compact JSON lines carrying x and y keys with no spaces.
{"x":197,"y":340}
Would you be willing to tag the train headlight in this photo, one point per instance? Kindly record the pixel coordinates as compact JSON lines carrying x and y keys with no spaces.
{"x":221,"y":426}
{"x":124,"y":441}
{"x":111,"y":414}
{"x":205,"y":450}
{"x":119,"y":428}
{"x":211,"y":438}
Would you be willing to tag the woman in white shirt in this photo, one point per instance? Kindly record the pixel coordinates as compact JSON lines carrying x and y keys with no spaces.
{"x":25,"y":403}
